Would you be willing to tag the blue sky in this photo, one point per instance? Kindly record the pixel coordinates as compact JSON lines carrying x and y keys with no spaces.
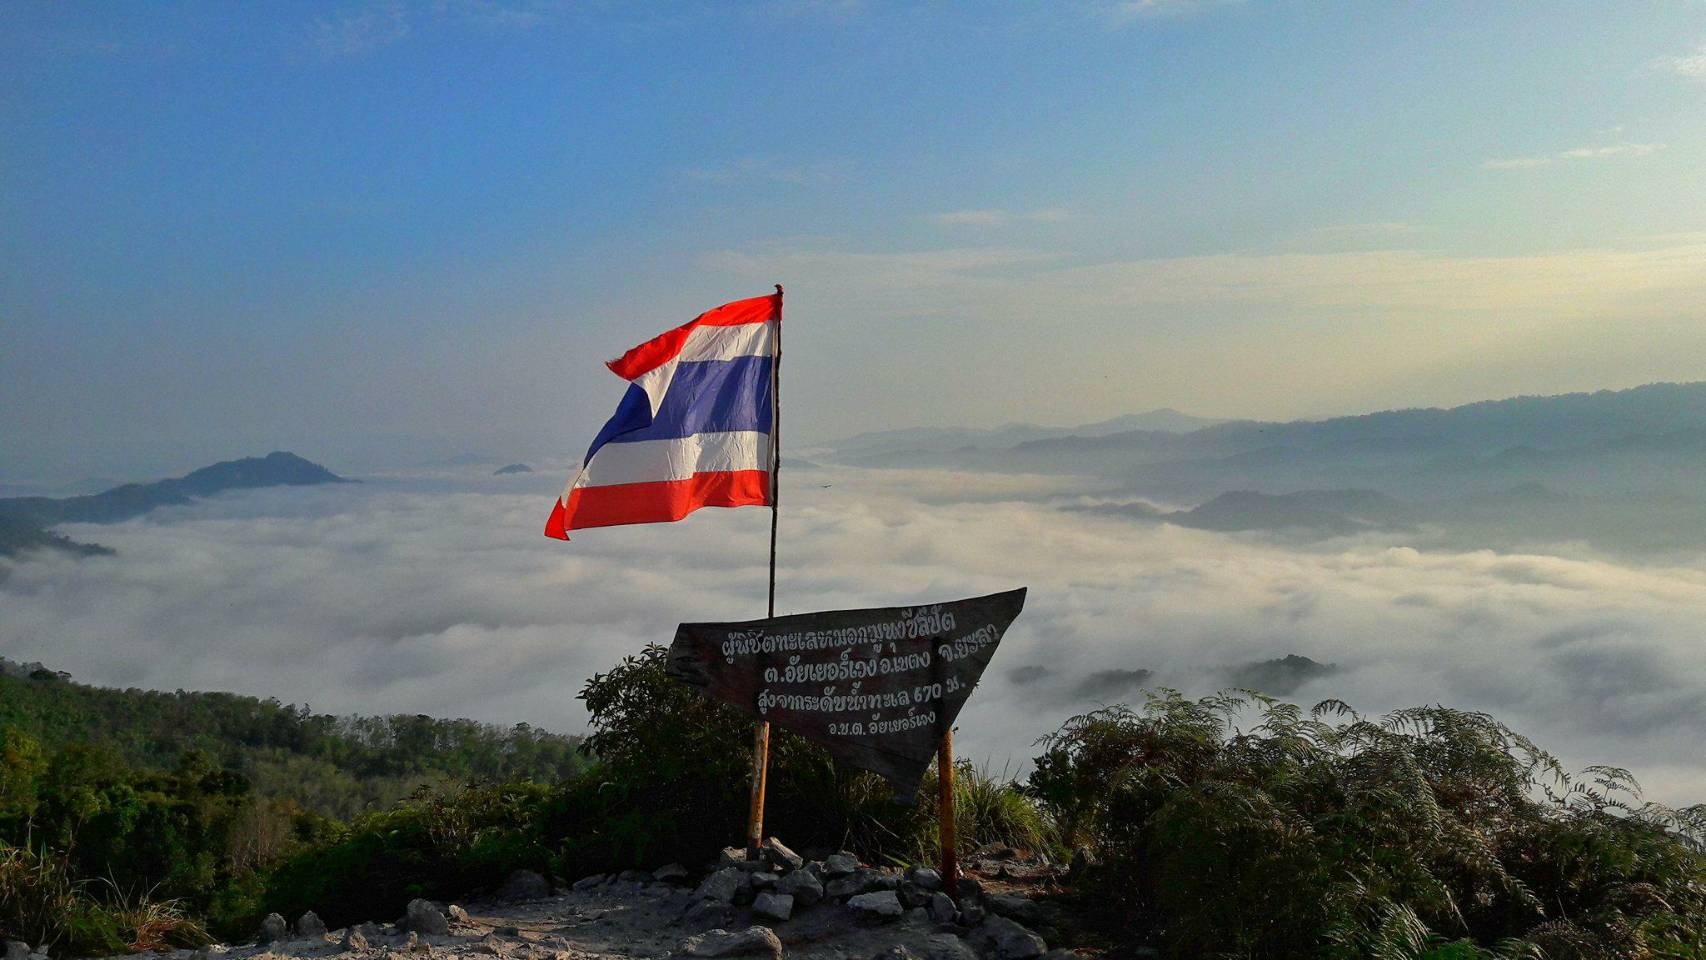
{"x":377,"y":233}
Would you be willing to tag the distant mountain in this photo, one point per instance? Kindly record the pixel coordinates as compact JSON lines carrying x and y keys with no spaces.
{"x":513,"y":468}
{"x":1325,"y":511}
{"x":1606,"y":443}
{"x":888,"y":443}
{"x":23,"y":520}
{"x":1317,"y":512}
{"x":1279,"y":678}
{"x":19,"y":536}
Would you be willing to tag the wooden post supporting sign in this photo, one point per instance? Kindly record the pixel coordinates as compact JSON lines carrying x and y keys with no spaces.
{"x":945,"y":814}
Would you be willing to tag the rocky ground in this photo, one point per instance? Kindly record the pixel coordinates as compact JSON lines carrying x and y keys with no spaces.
{"x":830,"y":909}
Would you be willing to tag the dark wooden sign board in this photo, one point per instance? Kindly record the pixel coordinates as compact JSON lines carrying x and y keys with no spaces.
{"x":879,"y":688}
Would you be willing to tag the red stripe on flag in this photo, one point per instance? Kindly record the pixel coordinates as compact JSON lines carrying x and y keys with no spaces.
{"x":659,"y":501}
{"x":664,"y":347}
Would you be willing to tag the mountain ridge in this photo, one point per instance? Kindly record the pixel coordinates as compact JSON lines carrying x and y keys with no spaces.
{"x":24,"y":521}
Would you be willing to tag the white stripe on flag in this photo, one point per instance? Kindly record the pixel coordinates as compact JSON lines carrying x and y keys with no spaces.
{"x":709,"y":343}
{"x":650,"y":461}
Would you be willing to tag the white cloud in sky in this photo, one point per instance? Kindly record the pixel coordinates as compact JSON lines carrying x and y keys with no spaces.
{"x":1689,"y":65}
{"x":357,"y":32}
{"x":440,"y":596}
{"x":1574,"y":153}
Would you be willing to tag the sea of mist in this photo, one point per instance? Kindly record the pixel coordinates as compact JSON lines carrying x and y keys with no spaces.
{"x":434,"y":593}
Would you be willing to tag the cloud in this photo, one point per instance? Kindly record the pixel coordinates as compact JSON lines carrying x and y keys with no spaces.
{"x":438,"y":595}
{"x":1692,"y":65}
{"x":1575,"y":153}
{"x":354,"y":33}
{"x":998,"y":218}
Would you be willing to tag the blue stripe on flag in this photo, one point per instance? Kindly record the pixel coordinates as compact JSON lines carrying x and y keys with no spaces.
{"x":707,"y":396}
{"x":633,"y":413}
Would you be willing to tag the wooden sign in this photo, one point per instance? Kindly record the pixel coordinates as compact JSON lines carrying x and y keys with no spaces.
{"x":877,"y":688}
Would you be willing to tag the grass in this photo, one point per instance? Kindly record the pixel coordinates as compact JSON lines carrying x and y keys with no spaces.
{"x":44,"y":905}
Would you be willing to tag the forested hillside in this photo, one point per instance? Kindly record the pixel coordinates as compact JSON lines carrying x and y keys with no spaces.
{"x":332,"y":766}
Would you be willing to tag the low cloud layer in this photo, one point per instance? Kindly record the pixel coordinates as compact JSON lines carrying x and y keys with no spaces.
{"x":438,"y":595}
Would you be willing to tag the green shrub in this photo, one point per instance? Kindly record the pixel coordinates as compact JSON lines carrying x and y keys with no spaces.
{"x":673,"y":774}
{"x":435,"y":844}
{"x":42,"y":905}
{"x":1432,"y":832}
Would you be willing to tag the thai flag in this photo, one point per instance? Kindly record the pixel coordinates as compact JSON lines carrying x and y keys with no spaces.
{"x":695,"y":429}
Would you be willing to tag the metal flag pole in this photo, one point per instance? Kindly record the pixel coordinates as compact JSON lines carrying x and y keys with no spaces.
{"x":761,"y":737}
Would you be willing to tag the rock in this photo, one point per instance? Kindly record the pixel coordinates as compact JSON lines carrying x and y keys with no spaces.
{"x":840,"y":865}
{"x":721,"y":943}
{"x":310,"y":925}
{"x":969,"y":887}
{"x":779,"y":856}
{"x":911,"y":895}
{"x":525,"y":885}
{"x":731,"y":857}
{"x":863,"y":880}
{"x":924,"y":878}
{"x":370,"y":930}
{"x":721,"y":886}
{"x":776,"y":906}
{"x":634,"y":876}
{"x":457,"y":914}
{"x":421,"y":916}
{"x":1022,"y":909}
{"x":587,"y":883}
{"x":999,"y":938}
{"x":17,"y":950}
{"x":1060,"y":953}
{"x":880,"y":905}
{"x":803,"y":886}
{"x":761,"y":881}
{"x":942,"y":908}
{"x":706,"y":911}
{"x":918,"y":915}
{"x":896,"y":952}
{"x":414,"y":944}
{"x":946,"y":946}
{"x":971,"y":911}
{"x":671,"y":873}
{"x":273,"y":930}
{"x":506,"y":931}
{"x":354,"y":941}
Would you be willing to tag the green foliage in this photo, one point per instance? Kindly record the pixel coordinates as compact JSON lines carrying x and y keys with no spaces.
{"x":43,"y":905}
{"x":336,"y":766}
{"x":190,"y":801}
{"x":434,"y":844}
{"x":1432,"y":832}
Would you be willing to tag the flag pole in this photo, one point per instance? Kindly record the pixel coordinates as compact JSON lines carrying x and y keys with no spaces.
{"x":945,"y":829}
{"x":761,"y":737}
